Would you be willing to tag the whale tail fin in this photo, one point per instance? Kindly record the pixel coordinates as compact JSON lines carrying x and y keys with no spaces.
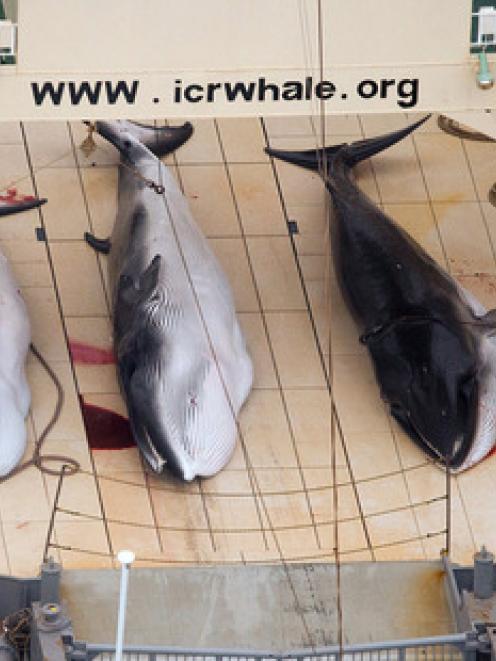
{"x":160,"y":140}
{"x":12,"y":202}
{"x":321,"y":160}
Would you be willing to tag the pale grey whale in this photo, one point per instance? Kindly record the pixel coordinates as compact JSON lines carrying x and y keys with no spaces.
{"x":182,"y":361}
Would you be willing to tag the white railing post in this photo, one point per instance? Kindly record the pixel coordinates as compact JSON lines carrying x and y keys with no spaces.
{"x":126,"y":558}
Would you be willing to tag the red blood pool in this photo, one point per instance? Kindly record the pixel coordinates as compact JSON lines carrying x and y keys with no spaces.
{"x":105,"y":429}
{"x":85,"y":354}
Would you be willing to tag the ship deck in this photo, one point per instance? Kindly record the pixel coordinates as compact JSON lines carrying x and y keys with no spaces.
{"x":274,"y":501}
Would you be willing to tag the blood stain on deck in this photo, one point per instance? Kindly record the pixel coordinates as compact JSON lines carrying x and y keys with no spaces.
{"x":85,"y":354}
{"x":105,"y":429}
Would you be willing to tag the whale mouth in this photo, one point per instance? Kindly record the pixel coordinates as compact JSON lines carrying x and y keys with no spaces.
{"x":156,"y":462}
{"x":482,"y":446}
{"x":160,"y":452}
{"x":485,"y":432}
{"x":485,"y":437}
{"x":459,"y":454}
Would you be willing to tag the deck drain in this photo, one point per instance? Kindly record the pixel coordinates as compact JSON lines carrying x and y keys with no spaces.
{"x":293,"y":227}
{"x":40,"y":233}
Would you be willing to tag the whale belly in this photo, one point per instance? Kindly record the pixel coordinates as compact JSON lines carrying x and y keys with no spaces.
{"x":14,"y":391}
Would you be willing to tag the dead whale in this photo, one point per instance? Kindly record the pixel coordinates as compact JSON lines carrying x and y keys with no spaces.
{"x":15,"y":337}
{"x":430,"y":340}
{"x":182,"y":361}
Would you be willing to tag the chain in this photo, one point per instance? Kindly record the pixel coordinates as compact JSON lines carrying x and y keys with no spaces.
{"x":89,"y":145}
{"x":149,"y":183}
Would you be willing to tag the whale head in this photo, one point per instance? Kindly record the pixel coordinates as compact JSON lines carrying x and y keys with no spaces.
{"x":428,"y":374}
{"x":182,"y":417}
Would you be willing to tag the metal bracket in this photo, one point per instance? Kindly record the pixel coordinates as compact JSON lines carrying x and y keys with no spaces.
{"x":486,"y":26}
{"x":293,"y":227}
{"x":7,"y":37}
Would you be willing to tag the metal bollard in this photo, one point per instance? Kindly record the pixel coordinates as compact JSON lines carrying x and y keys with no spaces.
{"x":50,"y":582}
{"x":483,"y":574}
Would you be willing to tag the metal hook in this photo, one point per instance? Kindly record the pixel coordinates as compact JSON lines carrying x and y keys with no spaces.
{"x":88,"y":145}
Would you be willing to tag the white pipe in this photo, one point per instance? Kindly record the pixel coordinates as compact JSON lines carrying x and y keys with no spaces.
{"x":125,"y":558}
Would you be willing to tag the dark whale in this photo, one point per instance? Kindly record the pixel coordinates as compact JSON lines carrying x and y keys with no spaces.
{"x":182,"y":361}
{"x":429,"y":339}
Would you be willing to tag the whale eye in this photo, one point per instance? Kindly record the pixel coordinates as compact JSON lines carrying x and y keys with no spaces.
{"x":127,"y":144}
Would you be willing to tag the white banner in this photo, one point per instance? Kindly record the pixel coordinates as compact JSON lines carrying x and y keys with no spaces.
{"x":161,"y":58}
{"x":340,"y":91}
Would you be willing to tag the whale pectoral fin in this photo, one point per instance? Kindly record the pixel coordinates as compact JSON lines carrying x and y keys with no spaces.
{"x":100,"y":245}
{"x":149,"y":277}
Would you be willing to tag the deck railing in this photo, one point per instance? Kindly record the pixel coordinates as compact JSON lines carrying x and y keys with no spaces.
{"x":454,"y":647}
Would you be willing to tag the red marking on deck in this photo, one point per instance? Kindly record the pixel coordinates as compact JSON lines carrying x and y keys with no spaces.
{"x":85,"y":354}
{"x":105,"y":429}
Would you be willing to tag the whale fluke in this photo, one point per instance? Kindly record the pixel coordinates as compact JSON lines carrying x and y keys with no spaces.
{"x":353,"y":153}
{"x":159,"y":140}
{"x":11,"y":203}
